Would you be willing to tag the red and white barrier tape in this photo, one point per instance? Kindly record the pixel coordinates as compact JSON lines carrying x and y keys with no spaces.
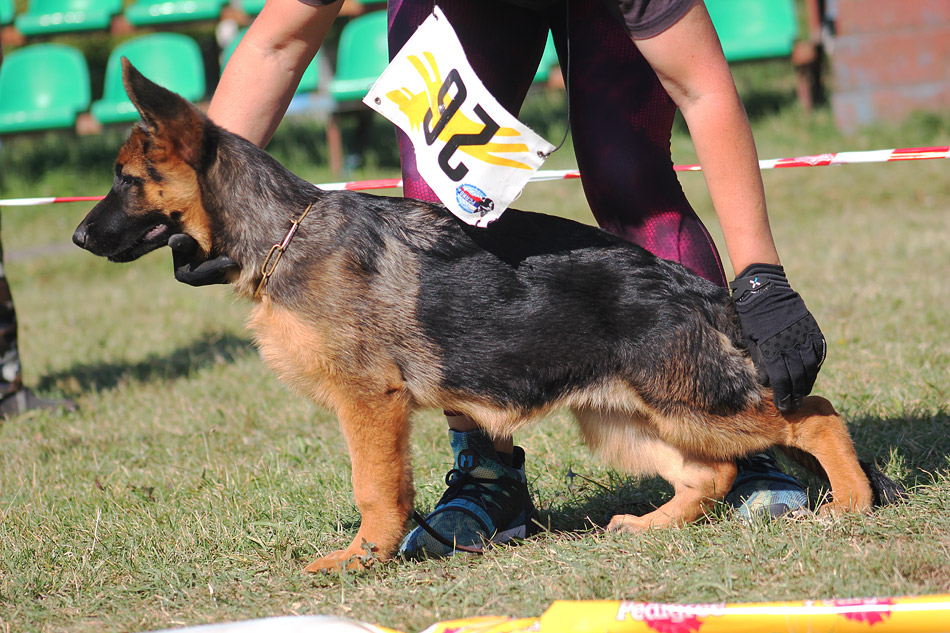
{"x":815,"y":160}
{"x":848,"y":158}
{"x":30,"y":202}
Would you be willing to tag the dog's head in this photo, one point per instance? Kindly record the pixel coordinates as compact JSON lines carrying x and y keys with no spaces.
{"x":156,"y":192}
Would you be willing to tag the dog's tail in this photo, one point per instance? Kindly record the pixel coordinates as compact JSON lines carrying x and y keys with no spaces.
{"x":886,"y":491}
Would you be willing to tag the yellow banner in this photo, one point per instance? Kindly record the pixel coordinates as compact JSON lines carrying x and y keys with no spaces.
{"x":925,"y":614}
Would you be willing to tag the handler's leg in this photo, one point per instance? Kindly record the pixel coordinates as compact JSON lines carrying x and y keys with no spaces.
{"x":487,"y":499}
{"x":621,"y":121}
{"x":14,"y":397}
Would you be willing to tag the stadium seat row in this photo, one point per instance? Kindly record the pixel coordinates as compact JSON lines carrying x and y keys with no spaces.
{"x":48,"y":17}
{"x":46,"y":86}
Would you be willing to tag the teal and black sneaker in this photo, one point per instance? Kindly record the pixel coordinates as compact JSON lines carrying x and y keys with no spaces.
{"x":761,"y":489}
{"x":486,"y":502}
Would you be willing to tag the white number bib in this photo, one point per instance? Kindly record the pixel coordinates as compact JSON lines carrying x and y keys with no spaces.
{"x":472,"y":152}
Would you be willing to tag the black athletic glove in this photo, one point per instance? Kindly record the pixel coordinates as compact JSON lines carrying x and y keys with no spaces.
{"x":784,"y":340}
{"x":192,"y":269}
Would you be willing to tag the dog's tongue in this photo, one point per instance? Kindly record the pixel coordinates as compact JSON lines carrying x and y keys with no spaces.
{"x":158,"y":230}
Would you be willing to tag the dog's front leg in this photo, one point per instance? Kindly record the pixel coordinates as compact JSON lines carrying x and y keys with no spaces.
{"x":377,"y":433}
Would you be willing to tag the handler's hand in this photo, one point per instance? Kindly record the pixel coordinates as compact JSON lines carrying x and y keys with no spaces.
{"x":784,"y":340}
{"x":192,"y":268}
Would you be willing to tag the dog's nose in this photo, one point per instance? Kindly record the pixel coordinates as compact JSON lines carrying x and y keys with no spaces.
{"x":79,"y":237}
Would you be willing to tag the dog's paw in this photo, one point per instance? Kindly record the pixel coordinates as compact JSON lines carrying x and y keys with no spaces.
{"x":341,"y":560}
{"x":353,"y":558}
{"x":628,"y":523}
{"x":835,"y":508}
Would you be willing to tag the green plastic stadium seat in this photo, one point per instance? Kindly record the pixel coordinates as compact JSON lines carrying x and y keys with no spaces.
{"x":42,"y":87}
{"x":310,"y":80}
{"x":152,"y":12}
{"x":47,"y":17}
{"x":172,"y":60}
{"x":6,"y":12}
{"x":548,"y":60}
{"x":754,"y":29}
{"x":362,"y":56}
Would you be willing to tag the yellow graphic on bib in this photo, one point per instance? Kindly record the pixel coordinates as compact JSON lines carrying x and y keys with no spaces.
{"x":417,"y":106}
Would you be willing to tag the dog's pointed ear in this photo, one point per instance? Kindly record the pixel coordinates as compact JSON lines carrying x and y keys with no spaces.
{"x":168,"y":117}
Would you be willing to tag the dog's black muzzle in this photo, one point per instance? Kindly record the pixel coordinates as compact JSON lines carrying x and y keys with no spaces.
{"x":109,"y":232}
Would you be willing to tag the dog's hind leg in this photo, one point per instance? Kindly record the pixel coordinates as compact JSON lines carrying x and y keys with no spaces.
{"x":377,"y":434}
{"x":631,"y":443}
{"x":697,"y":486}
{"x":817,"y":429}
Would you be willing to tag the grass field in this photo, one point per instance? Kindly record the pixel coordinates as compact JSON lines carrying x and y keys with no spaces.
{"x":192,"y":487}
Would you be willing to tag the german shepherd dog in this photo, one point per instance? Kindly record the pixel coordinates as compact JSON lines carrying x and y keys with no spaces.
{"x":380,"y":306}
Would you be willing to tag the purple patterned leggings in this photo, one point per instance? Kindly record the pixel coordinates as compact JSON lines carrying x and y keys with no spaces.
{"x":621,"y":117}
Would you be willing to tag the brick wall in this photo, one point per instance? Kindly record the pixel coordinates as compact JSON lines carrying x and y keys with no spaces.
{"x":890,"y":58}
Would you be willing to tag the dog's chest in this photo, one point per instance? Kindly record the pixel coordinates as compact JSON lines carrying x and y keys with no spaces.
{"x":293,"y":349}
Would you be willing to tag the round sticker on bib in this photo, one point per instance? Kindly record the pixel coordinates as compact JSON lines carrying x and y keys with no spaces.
{"x":473,"y":200}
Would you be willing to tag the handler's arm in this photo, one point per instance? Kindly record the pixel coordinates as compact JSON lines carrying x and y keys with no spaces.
{"x":689,"y":61}
{"x":261,"y":76}
{"x":255,"y":89}
{"x":785,"y":342}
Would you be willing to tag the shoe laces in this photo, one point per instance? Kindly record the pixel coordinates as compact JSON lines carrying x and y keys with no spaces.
{"x":482,"y":491}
